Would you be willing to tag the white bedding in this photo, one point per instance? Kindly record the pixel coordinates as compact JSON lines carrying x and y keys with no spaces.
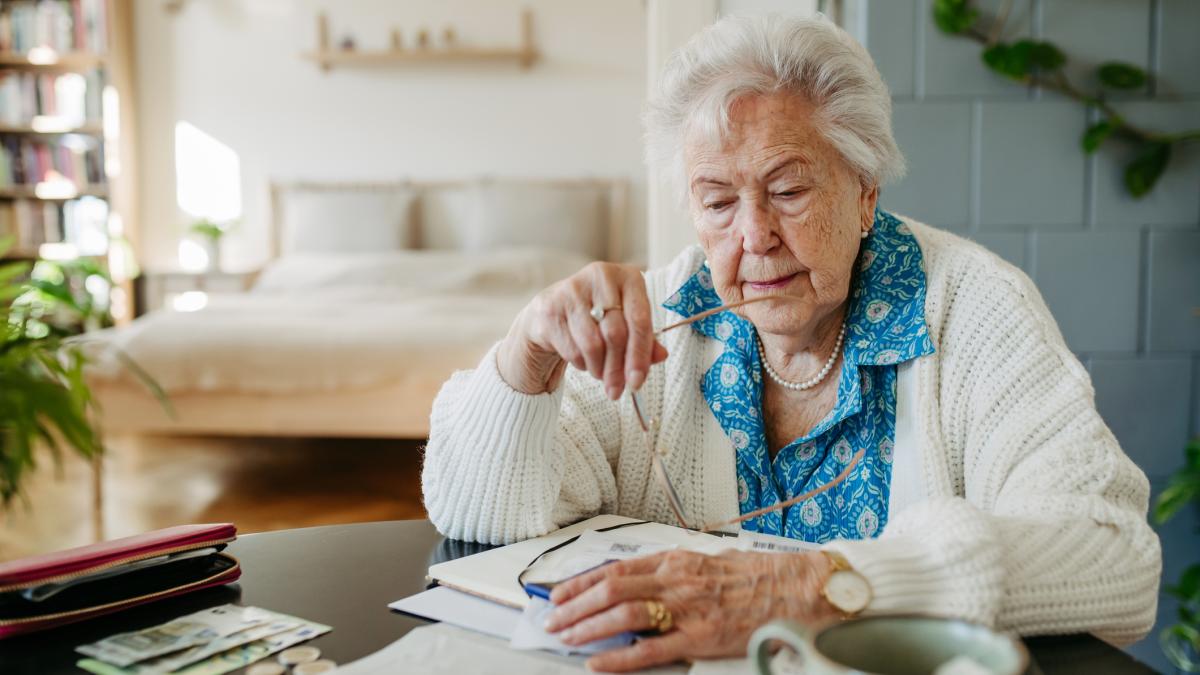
{"x":321,"y":323}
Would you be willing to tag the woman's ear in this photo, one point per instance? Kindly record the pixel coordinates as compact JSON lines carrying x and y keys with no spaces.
{"x":868,"y":197}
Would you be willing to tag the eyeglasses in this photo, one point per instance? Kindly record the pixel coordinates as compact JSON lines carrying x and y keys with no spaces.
{"x":658,"y":453}
{"x":650,"y":432}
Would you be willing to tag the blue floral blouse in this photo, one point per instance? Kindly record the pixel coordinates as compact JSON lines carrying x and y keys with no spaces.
{"x":885,"y":326}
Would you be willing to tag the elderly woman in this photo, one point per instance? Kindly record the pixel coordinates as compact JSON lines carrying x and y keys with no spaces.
{"x":988,"y":486}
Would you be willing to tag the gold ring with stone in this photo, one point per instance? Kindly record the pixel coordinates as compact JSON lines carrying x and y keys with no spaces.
{"x":661,"y":619}
{"x":597,"y":313}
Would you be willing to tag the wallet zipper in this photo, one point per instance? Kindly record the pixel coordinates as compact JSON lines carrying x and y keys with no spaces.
{"x":148,"y":596}
{"x":111,"y":564}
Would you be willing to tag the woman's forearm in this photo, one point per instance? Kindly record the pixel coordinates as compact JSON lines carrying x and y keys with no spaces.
{"x":1058,"y":573}
{"x":492,"y":472}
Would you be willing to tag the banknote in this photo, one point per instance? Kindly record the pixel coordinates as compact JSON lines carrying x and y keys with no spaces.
{"x":176,"y":660}
{"x":239,"y":656}
{"x":173,"y":662}
{"x":125,"y":649}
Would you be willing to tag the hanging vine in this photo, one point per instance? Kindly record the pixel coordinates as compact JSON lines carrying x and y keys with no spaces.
{"x":1040,"y":63}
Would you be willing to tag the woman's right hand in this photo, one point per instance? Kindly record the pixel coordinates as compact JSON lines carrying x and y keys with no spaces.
{"x":557,"y":328}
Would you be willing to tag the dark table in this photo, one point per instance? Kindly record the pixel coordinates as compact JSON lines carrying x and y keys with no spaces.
{"x":345,"y":575}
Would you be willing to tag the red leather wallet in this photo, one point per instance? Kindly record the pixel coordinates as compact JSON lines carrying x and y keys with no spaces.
{"x":49,"y":590}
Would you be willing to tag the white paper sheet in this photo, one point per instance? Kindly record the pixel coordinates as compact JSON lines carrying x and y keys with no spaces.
{"x":447,"y":650}
{"x":529,"y":634}
{"x":450,"y":649}
{"x":463,"y":610}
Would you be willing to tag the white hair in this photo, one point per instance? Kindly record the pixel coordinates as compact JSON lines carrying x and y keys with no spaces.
{"x":762,"y":55}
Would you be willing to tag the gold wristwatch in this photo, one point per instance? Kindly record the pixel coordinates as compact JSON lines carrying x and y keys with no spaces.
{"x":848,"y":591}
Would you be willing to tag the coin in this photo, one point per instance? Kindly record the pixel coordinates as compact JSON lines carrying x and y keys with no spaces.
{"x":266,"y":668}
{"x":298,"y":655}
{"x":314,"y":668}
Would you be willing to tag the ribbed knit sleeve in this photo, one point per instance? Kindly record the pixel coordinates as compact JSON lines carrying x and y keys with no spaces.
{"x":1042,"y":526}
{"x":502,"y":466}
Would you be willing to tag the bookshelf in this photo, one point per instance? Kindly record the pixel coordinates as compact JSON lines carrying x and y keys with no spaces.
{"x":65,"y":142}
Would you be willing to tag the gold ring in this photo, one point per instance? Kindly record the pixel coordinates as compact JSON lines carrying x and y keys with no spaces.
{"x":597,"y":313}
{"x":660,"y":617}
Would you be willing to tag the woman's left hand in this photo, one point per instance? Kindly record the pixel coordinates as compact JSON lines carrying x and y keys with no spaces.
{"x":716,"y":602}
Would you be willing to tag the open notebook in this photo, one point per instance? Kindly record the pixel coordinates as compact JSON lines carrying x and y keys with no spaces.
{"x":493,"y":574}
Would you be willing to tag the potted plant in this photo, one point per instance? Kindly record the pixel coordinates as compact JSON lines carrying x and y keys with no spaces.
{"x":209,"y":234}
{"x":1181,"y":642}
{"x":44,"y":396}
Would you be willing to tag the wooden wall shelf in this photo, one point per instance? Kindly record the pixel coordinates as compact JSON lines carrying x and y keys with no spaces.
{"x":89,"y":129}
{"x":327,"y":56}
{"x":65,"y":62}
{"x":28,"y":192}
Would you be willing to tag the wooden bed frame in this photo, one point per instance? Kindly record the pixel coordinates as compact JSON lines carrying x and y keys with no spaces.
{"x":397,"y":410}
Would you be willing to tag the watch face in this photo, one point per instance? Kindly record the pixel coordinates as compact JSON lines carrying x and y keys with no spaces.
{"x":848,"y":591}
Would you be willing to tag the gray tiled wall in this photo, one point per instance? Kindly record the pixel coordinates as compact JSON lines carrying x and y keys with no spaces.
{"x":1001,"y":163}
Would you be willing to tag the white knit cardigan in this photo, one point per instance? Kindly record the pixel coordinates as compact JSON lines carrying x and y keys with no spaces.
{"x":1032,"y":518}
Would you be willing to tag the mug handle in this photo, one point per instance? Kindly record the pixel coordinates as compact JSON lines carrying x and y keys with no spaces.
{"x":790,"y":633}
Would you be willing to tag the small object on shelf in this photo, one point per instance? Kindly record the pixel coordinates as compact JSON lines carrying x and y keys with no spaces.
{"x":323,"y":30}
{"x":448,"y":36}
{"x":397,"y":40}
{"x":347,"y":44}
{"x":423,"y":38}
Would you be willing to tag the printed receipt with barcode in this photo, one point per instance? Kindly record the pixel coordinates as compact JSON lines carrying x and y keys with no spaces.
{"x":769,"y":543}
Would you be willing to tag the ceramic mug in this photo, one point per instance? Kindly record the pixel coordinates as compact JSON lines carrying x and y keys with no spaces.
{"x":892,"y":645}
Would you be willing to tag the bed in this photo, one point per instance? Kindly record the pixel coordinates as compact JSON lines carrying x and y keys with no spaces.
{"x":374,"y":295}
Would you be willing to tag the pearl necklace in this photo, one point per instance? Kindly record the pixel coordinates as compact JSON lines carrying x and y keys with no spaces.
{"x":807,"y":384}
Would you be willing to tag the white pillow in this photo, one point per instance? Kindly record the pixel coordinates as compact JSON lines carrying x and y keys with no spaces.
{"x":346,"y":219}
{"x":511,"y":213}
{"x":506,"y":270}
{"x":442,"y":210}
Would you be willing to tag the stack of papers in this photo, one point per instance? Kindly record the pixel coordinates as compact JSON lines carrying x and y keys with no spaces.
{"x":493,"y":574}
{"x":481,"y":594}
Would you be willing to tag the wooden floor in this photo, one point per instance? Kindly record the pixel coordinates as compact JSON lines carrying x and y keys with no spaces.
{"x":256,"y":483}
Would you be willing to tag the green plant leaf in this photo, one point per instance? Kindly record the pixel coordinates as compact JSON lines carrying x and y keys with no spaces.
{"x":1188,"y":588}
{"x":1181,"y":644}
{"x":1095,"y":135}
{"x":1021,"y":58}
{"x":954,"y":16}
{"x":1045,"y":56}
{"x":1121,"y":75}
{"x":207,"y":228}
{"x":1144,"y":171}
{"x":1181,"y":490}
{"x":1187,"y":615}
{"x":1007,"y":60}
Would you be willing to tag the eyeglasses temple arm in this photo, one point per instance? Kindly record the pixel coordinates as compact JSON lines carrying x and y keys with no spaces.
{"x":794,"y":500}
{"x":717,"y":310}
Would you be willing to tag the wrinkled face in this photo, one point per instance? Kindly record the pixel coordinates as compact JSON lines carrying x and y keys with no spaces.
{"x":778,"y":212}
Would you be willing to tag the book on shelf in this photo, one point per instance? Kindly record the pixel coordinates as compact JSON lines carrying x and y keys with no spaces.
{"x":61,"y":25}
{"x":82,"y":222}
{"x":72,"y":158}
{"x":68,"y":99}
